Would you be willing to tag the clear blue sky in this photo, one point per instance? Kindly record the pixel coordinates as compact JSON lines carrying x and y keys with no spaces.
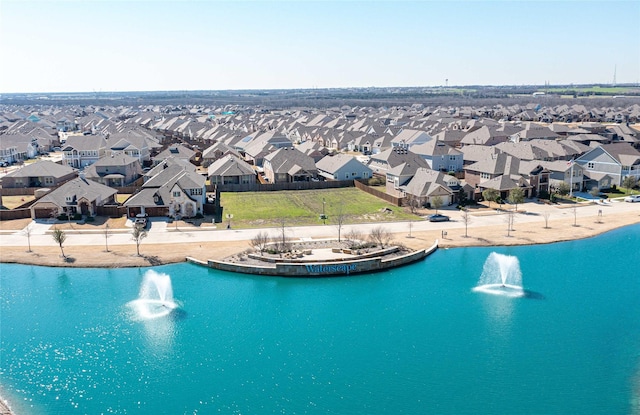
{"x":55,"y":46}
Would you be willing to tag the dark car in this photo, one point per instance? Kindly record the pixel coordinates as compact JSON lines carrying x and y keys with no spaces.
{"x":437,"y":218}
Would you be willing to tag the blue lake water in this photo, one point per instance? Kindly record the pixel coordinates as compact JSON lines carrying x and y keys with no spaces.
{"x":416,"y":339}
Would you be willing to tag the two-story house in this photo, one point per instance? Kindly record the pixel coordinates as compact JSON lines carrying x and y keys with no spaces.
{"x":617,"y":161}
{"x":440,"y":156}
{"x":115,"y":171}
{"x":83,"y":150}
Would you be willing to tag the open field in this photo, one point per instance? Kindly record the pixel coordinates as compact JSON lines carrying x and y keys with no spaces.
{"x":265,"y":209}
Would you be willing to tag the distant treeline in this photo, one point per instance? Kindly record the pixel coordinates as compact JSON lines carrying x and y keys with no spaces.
{"x":620,"y":95}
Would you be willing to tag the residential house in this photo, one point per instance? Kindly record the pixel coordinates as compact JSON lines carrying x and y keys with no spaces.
{"x":426,"y":184}
{"x":440,"y":156}
{"x":562,"y":171}
{"x":231,"y":169}
{"x":408,"y":138}
{"x":76,"y":196}
{"x":132,"y":145}
{"x":178,"y":151}
{"x":215,"y":152}
{"x":18,"y":147}
{"x":39,"y":174}
{"x":617,"y":161}
{"x":80,"y":151}
{"x":500,"y":172}
{"x":263,"y":144}
{"x":115,"y":170}
{"x":342,"y":167}
{"x":382,"y":162}
{"x":289,"y":165}
{"x":175,"y":189}
{"x":313,"y":150}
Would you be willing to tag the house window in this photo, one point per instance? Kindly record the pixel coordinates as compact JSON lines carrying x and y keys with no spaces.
{"x":485,"y":176}
{"x":196,"y":192}
{"x":48,"y":180}
{"x":452,"y":158}
{"x":591,"y":165}
{"x":176,"y":194}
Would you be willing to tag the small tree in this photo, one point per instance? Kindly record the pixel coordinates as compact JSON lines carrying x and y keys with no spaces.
{"x":466,"y":219}
{"x":410,"y":227}
{"x":574,"y":211}
{"x":59,"y":236}
{"x":563,"y":189}
{"x":106,"y":237}
{"x":510,"y":218}
{"x":546,"y":216}
{"x":283,"y":245}
{"x":27,"y":232}
{"x":516,"y":196}
{"x":138,"y":234}
{"x":594,"y":191}
{"x":490,"y":195}
{"x":436,"y":203}
{"x":412,"y":202}
{"x":260,"y":241}
{"x":380,"y":236}
{"x":340,"y":218}
{"x":629,"y":183}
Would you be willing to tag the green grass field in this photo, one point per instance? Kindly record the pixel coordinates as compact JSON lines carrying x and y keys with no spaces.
{"x":304,"y":207}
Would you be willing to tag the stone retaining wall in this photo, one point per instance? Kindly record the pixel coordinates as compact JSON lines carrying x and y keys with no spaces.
{"x":320,"y":269}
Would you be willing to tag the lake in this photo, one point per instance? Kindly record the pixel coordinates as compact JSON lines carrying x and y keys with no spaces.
{"x":416,"y":339}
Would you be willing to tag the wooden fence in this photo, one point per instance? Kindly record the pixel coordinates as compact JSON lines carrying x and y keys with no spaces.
{"x":396,"y":201}
{"x":15,"y":214}
{"x":259,"y":187}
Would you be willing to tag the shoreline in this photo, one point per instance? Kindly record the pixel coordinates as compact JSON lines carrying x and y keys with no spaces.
{"x":163,"y":252}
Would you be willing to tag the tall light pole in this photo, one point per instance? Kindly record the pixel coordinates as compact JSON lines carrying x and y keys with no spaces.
{"x":324,"y":217}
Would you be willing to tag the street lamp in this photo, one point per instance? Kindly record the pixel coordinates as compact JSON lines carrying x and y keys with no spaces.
{"x":324,"y":217}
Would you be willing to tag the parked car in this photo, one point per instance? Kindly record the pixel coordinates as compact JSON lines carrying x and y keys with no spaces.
{"x":141,"y":220}
{"x":632,"y":198}
{"x":438,"y":218}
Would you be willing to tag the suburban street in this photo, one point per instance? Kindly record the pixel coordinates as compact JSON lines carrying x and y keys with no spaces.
{"x":161,"y":232}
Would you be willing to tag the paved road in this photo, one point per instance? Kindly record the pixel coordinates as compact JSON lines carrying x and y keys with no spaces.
{"x":160,"y":232}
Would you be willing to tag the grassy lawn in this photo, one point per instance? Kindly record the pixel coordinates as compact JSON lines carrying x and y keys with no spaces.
{"x":303,"y":207}
{"x":121,"y":198}
{"x":12,"y":202}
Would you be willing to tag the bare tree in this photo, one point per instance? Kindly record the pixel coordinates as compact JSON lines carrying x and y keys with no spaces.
{"x":412,"y":202}
{"x":59,"y":236}
{"x":106,"y":237}
{"x":410,"y":227}
{"x":340,"y":217}
{"x":138,"y":234}
{"x":546,"y":216}
{"x":574,"y":211}
{"x":27,"y":232}
{"x":260,"y":241}
{"x":436,"y":203}
{"x":466,"y":219}
{"x":354,"y":237}
{"x":283,"y":245}
{"x":380,"y":236}
{"x":510,"y":218}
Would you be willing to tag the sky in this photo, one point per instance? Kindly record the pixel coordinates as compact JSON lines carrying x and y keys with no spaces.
{"x":117,"y":45}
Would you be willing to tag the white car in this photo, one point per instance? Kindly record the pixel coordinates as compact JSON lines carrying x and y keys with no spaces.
{"x":632,"y":198}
